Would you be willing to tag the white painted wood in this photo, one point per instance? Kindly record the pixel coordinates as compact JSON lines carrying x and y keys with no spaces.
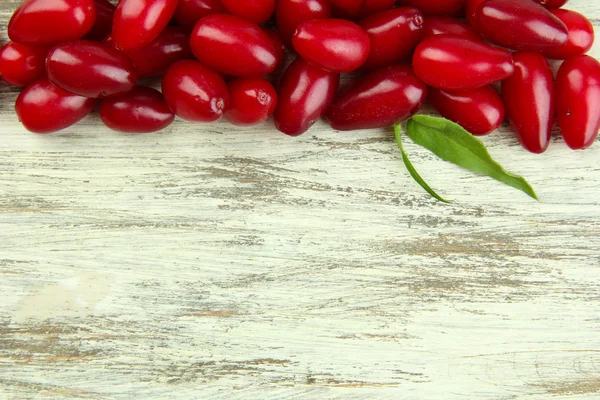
{"x":212,"y":262}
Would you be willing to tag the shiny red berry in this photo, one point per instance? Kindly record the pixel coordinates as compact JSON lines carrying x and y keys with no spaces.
{"x":22,"y":64}
{"x":251,"y":101}
{"x":141,"y":110}
{"x":43,"y":107}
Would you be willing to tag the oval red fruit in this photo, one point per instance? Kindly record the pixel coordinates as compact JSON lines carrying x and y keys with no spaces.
{"x":448,"y":26}
{"x":43,"y":107}
{"x":233,"y":46}
{"x":437,"y":7}
{"x":47,"y":22}
{"x":333,"y":44}
{"x":453,"y":62}
{"x":105,"y":12}
{"x":393,"y":35}
{"x":578,"y":100}
{"x":519,"y":25}
{"x":138,"y":22}
{"x":170,"y":46}
{"x":381,"y":98}
{"x":305,"y":93}
{"x":480,"y":111}
{"x":141,"y":110}
{"x":22,"y":64}
{"x":581,"y":35}
{"x":195,"y":92}
{"x":529,"y":100}
{"x":188,"y":12}
{"x":291,"y":13}
{"x":90,"y":69}
{"x":251,"y":101}
{"x":257,"y":11}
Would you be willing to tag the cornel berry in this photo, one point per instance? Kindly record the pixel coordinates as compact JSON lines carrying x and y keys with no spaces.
{"x":475,"y":61}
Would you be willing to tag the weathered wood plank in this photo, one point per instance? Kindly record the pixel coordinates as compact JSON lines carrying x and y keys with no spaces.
{"x":217,"y":262}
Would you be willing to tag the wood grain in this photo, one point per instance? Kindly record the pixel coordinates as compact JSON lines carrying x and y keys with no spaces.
{"x":212,"y":262}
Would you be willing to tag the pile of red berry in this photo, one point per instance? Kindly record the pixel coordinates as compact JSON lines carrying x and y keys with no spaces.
{"x":216,"y":58}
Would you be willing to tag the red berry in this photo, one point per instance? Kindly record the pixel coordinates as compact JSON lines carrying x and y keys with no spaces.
{"x":138,"y":22}
{"x":141,"y":110}
{"x":233,"y":46}
{"x":189,"y":12}
{"x":22,"y":64}
{"x":578,"y":100}
{"x":519,"y":25}
{"x":251,"y":101}
{"x":90,"y":69}
{"x":436,"y":7}
{"x":529,"y":100}
{"x":43,"y":107}
{"x":153,"y":59}
{"x":257,"y":11}
{"x":332,"y":44}
{"x":304,"y":95}
{"x":444,"y":25}
{"x":381,"y":98}
{"x":480,"y":111}
{"x":291,"y":13}
{"x":581,"y":35}
{"x":47,"y":22}
{"x":195,"y":92}
{"x":453,"y":62}
{"x":393,"y":35}
{"x":105,"y":12}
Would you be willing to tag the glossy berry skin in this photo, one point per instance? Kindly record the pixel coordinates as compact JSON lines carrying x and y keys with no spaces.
{"x":305,"y":93}
{"x":552,"y":3}
{"x":188,"y":12}
{"x":349,"y":9}
{"x":22,"y":64}
{"x":374,"y":6}
{"x":581,"y":35}
{"x":194,"y":92}
{"x":519,"y":25}
{"x":47,"y":22}
{"x":480,"y":111}
{"x":436,"y":7}
{"x":278,"y":46}
{"x":170,"y":46}
{"x":453,"y":62}
{"x":257,"y":11}
{"x":90,"y":69}
{"x":251,"y":101}
{"x":43,"y":107}
{"x":233,"y":46}
{"x":333,"y":44}
{"x":141,"y":110}
{"x":470,"y":9}
{"x":381,"y":98}
{"x":105,"y":12}
{"x":291,"y":13}
{"x":434,"y":25}
{"x":578,"y":100}
{"x":529,"y":100}
{"x":393,"y":35}
{"x":138,"y":22}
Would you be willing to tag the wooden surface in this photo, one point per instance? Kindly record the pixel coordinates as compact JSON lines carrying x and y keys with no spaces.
{"x":211,"y":262}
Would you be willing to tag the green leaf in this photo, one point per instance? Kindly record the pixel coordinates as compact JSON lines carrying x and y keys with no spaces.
{"x":413,"y":172}
{"x":451,"y":142}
